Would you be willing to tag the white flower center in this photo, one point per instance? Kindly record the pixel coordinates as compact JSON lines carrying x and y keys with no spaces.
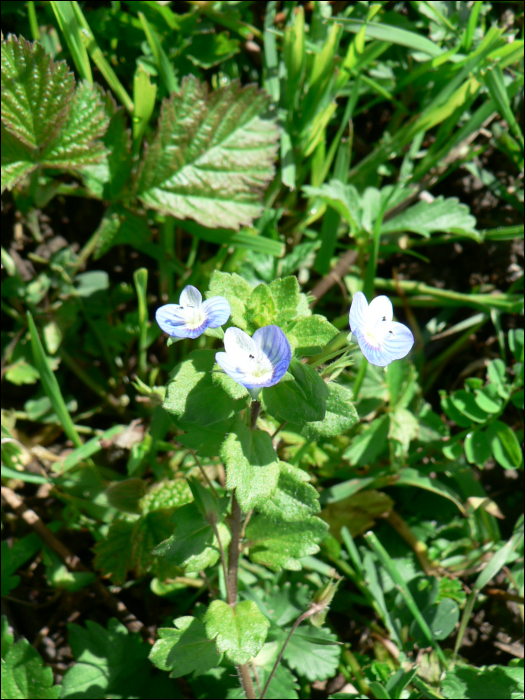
{"x":194,"y":317}
{"x":259,"y":370}
{"x":376,"y":333}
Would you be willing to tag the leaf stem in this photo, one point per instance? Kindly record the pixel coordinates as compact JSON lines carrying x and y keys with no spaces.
{"x":246,"y":681}
{"x":256,"y":409}
{"x":233,"y":558}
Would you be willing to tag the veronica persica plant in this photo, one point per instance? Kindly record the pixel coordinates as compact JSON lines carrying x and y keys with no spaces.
{"x":191,"y":316}
{"x":256,"y":362}
{"x":380,"y":339}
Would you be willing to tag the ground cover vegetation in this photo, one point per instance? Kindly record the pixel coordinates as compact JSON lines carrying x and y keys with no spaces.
{"x":211,"y":488}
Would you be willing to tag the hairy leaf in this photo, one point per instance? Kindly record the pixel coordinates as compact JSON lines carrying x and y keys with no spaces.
{"x":308,"y":657}
{"x":294,"y":498}
{"x":239,"y":631}
{"x":309,"y":335}
{"x":299,"y":401}
{"x":23,"y":672}
{"x":340,"y":414}
{"x":211,"y":157}
{"x":185,"y":649}
{"x":252,"y":466}
{"x":191,"y":395}
{"x":279,"y":545}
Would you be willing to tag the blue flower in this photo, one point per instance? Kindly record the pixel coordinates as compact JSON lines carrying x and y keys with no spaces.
{"x":255,"y":362}
{"x":381,"y":340}
{"x":191,"y":317}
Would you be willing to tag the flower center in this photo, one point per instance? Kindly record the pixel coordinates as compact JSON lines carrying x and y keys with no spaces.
{"x":260,"y":369}
{"x":375,"y":334}
{"x":194,"y":318}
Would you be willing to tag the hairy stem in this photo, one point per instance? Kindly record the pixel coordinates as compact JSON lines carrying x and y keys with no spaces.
{"x":256,"y":409}
{"x":295,"y":625}
{"x":246,"y":680}
{"x":233,"y":559}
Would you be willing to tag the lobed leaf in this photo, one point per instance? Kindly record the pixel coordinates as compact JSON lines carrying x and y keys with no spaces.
{"x":185,"y":649}
{"x":239,"y":631}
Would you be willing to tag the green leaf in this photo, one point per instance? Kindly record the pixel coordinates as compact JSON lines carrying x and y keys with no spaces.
{"x":294,"y":498}
{"x":206,"y":440}
{"x":516,"y":343}
{"x":307,"y":657}
{"x":488,"y":398}
{"x":21,"y":372}
{"x":239,"y":631}
{"x":441,"y":215}
{"x":487,"y":682}
{"x":193,"y":544}
{"x":36,"y":92}
{"x":298,"y":401}
{"x":59,"y":576}
{"x":192,"y":396}
{"x":404,"y":427}
{"x":236,"y":290}
{"x":23,"y":672}
{"x":185,"y":649}
{"x":477,"y":448}
{"x":369,"y":444}
{"x":279,"y":545}
{"x":260,"y":309}
{"x":193,"y":167}
{"x":466,"y":404}
{"x":497,"y":374}
{"x":207,"y":50}
{"x":285,"y":292}
{"x":112,"y":662}
{"x":340,"y":415}
{"x":252,"y":465}
{"x":343,"y":198}
{"x":13,"y":557}
{"x":45,"y":120}
{"x":309,"y":335}
{"x":504,"y":445}
{"x":442,"y":620}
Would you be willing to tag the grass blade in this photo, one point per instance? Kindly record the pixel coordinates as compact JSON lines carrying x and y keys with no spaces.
{"x":70,"y":28}
{"x":50,"y":384}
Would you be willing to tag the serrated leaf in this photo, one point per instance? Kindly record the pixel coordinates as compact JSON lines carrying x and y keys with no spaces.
{"x":212,"y":155}
{"x":239,"y":631}
{"x":307,"y":657}
{"x":279,"y":545}
{"x":294,"y":498}
{"x":191,"y":395}
{"x":111,"y":662}
{"x":343,"y":198}
{"x":441,"y":215}
{"x":185,"y":649}
{"x":300,"y":401}
{"x":23,"y":672}
{"x":340,"y":415}
{"x":45,"y":120}
{"x":236,"y":290}
{"x":309,"y":335}
{"x":260,"y":308}
{"x":252,"y":466}
{"x":285,"y":291}
{"x":193,"y":544}
{"x":462,"y":682}
{"x":166,"y":495}
{"x":36,"y":92}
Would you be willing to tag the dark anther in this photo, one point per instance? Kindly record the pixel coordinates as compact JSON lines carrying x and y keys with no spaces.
{"x":252,"y":357}
{"x":392,"y":332}
{"x":384,"y":318}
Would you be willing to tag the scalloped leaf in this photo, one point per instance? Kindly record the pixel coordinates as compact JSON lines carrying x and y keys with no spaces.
{"x":279,"y":545}
{"x":239,"y":631}
{"x":184,"y":649}
{"x":45,"y":119}
{"x":212,"y":155}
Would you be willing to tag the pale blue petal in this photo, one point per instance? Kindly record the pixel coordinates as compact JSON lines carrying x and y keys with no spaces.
{"x":358,"y":311}
{"x":399,"y":342}
{"x":217,"y":311}
{"x":173,"y":322}
{"x":275,"y":346}
{"x":376,"y":356}
{"x":222,"y":359}
{"x":279,"y":371}
{"x":380,"y":309}
{"x":190,"y":297}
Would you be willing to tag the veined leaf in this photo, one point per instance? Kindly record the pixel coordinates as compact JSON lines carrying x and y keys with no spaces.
{"x":442,"y":214}
{"x":45,"y":120}
{"x":211,"y":157}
